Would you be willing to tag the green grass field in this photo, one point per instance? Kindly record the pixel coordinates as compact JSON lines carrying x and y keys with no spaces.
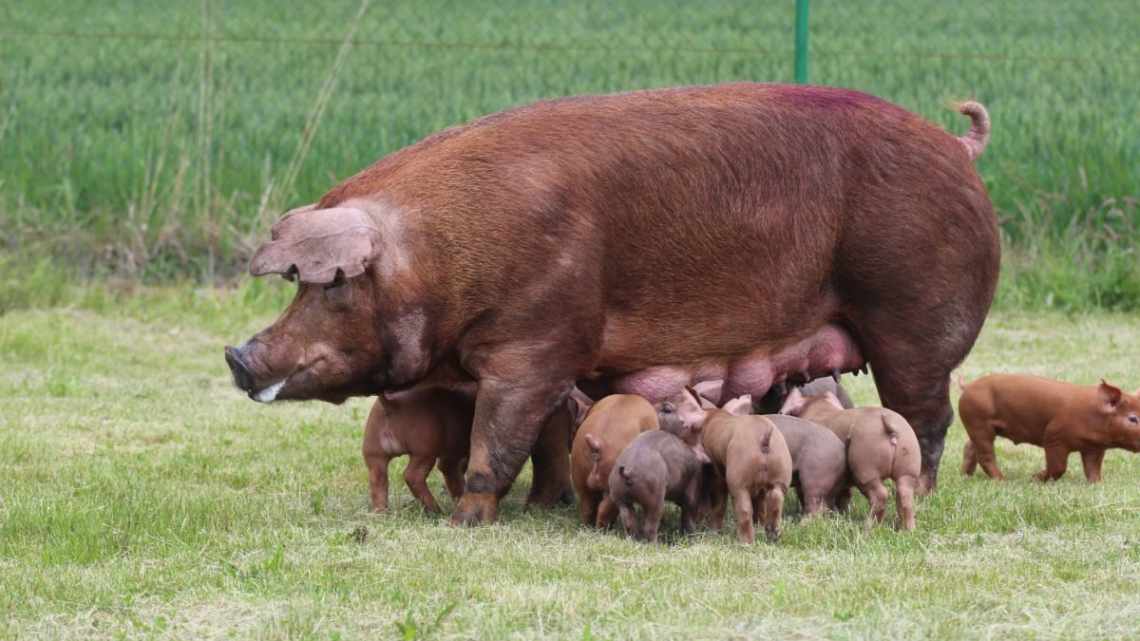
{"x":142,"y":497}
{"x":164,"y":157}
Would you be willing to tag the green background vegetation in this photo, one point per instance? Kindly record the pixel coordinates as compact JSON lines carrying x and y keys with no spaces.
{"x":164,"y":158}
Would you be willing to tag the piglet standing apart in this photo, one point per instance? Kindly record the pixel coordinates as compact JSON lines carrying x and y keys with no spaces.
{"x":881,"y":445}
{"x":609,"y":427}
{"x":753,"y":459}
{"x":1060,"y":417}
{"x":433,"y":423}
{"x":657,"y":466}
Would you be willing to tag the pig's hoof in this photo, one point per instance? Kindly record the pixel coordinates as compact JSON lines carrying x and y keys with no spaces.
{"x":475,"y":509}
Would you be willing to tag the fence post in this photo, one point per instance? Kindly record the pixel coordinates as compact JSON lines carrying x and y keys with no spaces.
{"x":802,"y":41}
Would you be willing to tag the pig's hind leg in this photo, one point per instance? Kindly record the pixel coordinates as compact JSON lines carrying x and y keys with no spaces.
{"x":969,"y":458}
{"x":742,"y":506}
{"x":904,"y":501}
{"x":979,"y":448}
{"x":377,"y":464}
{"x":877,"y":495}
{"x":773,"y":508}
{"x":415,"y":475}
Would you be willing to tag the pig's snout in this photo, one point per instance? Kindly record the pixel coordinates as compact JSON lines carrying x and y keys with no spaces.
{"x":243,"y":379}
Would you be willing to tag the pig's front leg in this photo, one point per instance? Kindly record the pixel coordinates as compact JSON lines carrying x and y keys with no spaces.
{"x":508,"y":417}
{"x":1092,"y":460}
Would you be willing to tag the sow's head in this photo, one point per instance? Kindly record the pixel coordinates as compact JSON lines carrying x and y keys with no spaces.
{"x":326,"y":345}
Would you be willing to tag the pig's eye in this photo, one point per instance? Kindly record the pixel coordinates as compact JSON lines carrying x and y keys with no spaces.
{"x":668,"y":408}
{"x":1135,"y":420}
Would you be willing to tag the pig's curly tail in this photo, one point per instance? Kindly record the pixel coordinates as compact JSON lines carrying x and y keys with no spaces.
{"x":978,"y":137}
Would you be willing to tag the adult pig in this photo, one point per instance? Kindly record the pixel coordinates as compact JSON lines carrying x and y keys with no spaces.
{"x":640,"y":242}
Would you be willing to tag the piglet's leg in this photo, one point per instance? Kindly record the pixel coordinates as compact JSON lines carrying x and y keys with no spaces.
{"x":628,"y":520}
{"x":508,"y":417}
{"x":651,"y":522}
{"x":773,"y":510}
{"x":742,"y":505}
{"x":607,"y":510}
{"x":969,"y":458}
{"x":415,"y":475}
{"x":1091,"y":460}
{"x":876,"y":494}
{"x":377,"y":464}
{"x":904,"y":501}
{"x":1056,"y":462}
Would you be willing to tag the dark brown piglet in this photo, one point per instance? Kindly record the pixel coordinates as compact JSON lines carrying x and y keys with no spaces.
{"x":1061,"y":417}
{"x":657,"y":466}
{"x":610,"y":425}
{"x":426,"y":425}
{"x":880,"y":445}
{"x":434,"y":423}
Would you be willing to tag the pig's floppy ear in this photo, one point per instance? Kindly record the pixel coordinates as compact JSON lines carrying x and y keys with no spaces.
{"x":315,"y":244}
{"x":1110,"y":396}
{"x":793,"y":403}
{"x":739,"y":406}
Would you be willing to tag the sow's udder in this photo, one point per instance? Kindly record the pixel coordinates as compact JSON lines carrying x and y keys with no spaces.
{"x":829,"y":350}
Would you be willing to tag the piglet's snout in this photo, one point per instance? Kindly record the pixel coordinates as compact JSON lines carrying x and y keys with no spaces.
{"x":243,"y":379}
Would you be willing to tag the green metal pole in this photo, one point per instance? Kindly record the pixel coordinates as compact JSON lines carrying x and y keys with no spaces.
{"x":802,"y":41}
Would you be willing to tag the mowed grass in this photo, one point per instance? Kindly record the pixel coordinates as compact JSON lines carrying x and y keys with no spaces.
{"x":142,"y":497}
{"x":157,"y":139}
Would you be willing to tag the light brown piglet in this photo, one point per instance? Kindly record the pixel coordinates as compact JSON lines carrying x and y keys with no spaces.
{"x":609,"y":427}
{"x":881,"y":445}
{"x":751,"y":456}
{"x":1060,"y":417}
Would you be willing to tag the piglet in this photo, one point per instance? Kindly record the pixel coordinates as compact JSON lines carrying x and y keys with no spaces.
{"x":880,"y":443}
{"x":609,"y":426}
{"x":1060,"y":417}
{"x":430,"y":423}
{"x":657,"y":466}
{"x":426,"y":424}
{"x":819,"y":462}
{"x":750,"y":454}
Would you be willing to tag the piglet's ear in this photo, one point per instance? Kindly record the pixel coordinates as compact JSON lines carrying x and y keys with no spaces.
{"x":739,"y":406}
{"x":315,"y":244}
{"x":833,"y":399}
{"x":793,"y":403}
{"x":1110,"y":396}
